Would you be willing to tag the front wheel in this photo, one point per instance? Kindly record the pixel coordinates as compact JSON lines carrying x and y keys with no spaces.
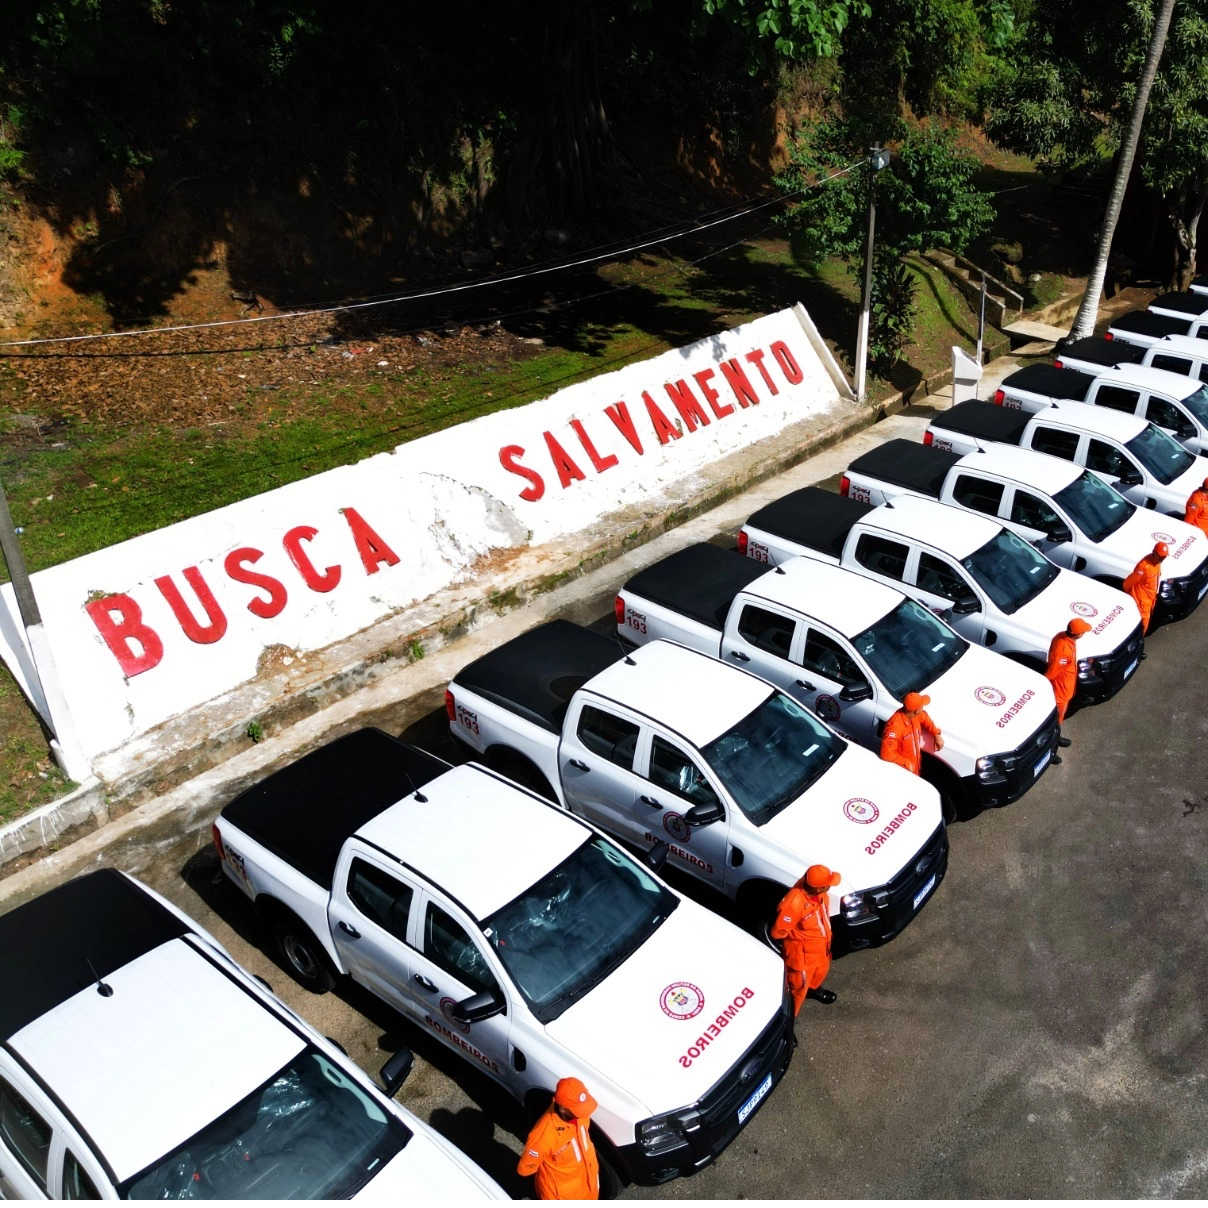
{"x":302,"y":955}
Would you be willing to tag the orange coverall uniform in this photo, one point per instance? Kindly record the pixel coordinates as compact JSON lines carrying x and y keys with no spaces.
{"x":1062,"y":671}
{"x":902,"y":742}
{"x":1142,"y":585}
{"x":560,"y":1153}
{"x":803,"y":923}
{"x":1197,"y":509}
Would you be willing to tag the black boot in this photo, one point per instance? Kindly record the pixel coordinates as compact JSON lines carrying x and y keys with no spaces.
{"x":1062,"y":741}
{"x":825,"y":997}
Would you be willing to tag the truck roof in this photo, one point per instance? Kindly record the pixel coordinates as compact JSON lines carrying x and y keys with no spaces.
{"x":843,"y":599}
{"x":984,"y":420}
{"x":923,"y":519}
{"x":1038,"y":470}
{"x":1051,"y":382}
{"x":1184,"y":302}
{"x":304,"y":812}
{"x":1098,"y":421}
{"x":698,"y":696}
{"x":1146,"y":323}
{"x":906,"y":463}
{"x":538,"y":672}
{"x":478,"y":837}
{"x":1192,"y":346}
{"x":1101,"y":351}
{"x":1146,"y":377}
{"x":700,"y":582}
{"x":812,"y":517}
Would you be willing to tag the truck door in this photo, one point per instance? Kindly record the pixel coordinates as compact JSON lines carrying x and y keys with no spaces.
{"x":1056,"y":442}
{"x":596,"y":756}
{"x":1036,"y":520}
{"x":882,"y":558}
{"x":762,"y":640}
{"x":1118,"y":398}
{"x":25,"y":1137}
{"x":940,"y":585}
{"x":831,"y":675}
{"x":978,"y":494}
{"x":370,"y":919}
{"x":450,"y":966}
{"x":677,"y":780}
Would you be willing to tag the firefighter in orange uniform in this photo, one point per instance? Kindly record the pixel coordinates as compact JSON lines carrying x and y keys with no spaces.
{"x":1197,"y":508}
{"x":1062,"y":671}
{"x":902,"y":742}
{"x":559,"y":1150}
{"x":803,"y":924}
{"x":1142,"y":584}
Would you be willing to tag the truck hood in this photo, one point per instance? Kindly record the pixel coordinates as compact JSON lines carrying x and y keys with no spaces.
{"x":864,"y":818}
{"x":989,"y":704}
{"x":1187,"y":482}
{"x":1136,"y":537}
{"x":430,"y":1168}
{"x":1111,"y":614}
{"x":678,"y":1014}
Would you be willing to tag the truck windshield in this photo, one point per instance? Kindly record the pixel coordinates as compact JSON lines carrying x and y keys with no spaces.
{"x":1009,"y":571}
{"x":571,"y":929}
{"x":1160,"y":454}
{"x":1093,"y":506}
{"x":310,"y":1132}
{"x":1197,"y":403}
{"x":909,"y":648}
{"x":772,"y":756}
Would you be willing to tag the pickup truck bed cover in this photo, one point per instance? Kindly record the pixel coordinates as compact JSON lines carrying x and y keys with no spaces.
{"x":1185,"y":302}
{"x":1099,"y":351}
{"x":1146,"y":323}
{"x":1051,"y":382}
{"x":304,"y":812}
{"x":699,"y":582}
{"x":986,"y":420}
{"x":537,"y":673}
{"x":906,"y":464}
{"x":812,"y":517}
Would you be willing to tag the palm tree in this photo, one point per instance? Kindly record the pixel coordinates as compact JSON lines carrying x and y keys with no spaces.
{"x":1087,"y":313}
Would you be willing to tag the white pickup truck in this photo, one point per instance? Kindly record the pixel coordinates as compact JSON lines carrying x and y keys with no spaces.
{"x":1143,"y":327}
{"x":851,"y":650}
{"x":749,"y":786}
{"x":519,"y":937}
{"x":1184,"y":355}
{"x":1144,"y":463}
{"x":990,"y":585}
{"x":1182,"y":304}
{"x":1071,"y":515}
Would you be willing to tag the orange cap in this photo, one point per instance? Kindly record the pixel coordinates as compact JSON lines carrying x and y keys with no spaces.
{"x":571,"y":1094}
{"x":1161,"y":549}
{"x":913,"y":701}
{"x":1206,"y":483}
{"x":818,"y":876}
{"x":1078,"y":625}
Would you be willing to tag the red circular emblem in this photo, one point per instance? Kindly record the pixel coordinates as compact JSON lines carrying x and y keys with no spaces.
{"x":682,"y":1000}
{"x":860,"y":809}
{"x":990,"y":696}
{"x":1083,"y":609}
{"x":446,"y":1005}
{"x":1167,"y":537}
{"x":676,"y":827}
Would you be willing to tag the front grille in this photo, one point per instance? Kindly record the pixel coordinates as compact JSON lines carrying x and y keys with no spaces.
{"x":918,"y":871}
{"x":1122,"y":656}
{"x":1024,"y":757}
{"x":1187,"y":587}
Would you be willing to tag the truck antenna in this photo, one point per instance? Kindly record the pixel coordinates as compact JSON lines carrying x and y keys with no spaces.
{"x":102,"y":988}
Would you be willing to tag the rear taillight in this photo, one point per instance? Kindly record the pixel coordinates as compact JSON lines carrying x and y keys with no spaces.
{"x":844,"y":485}
{"x":999,"y":397}
{"x":928,"y":437}
{"x":217,"y":835}
{"x":1107,"y":335}
{"x":618,"y":609}
{"x":1058,"y":364}
{"x":450,"y":705}
{"x":743,"y":541}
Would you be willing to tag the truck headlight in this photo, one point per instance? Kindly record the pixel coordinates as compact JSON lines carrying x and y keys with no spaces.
{"x":661,"y":1134}
{"x":1166,"y":589}
{"x":1087,"y":668}
{"x":856,"y":906}
{"x":990,"y":769}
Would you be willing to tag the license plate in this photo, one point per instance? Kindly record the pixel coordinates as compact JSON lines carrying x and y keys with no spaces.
{"x":754,"y":1101}
{"x":1131,"y":667}
{"x":922,"y":893}
{"x":1044,"y":763}
{"x":1199,"y":595}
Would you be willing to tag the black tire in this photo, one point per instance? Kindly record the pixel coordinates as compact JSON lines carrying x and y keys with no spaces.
{"x":757,"y":911}
{"x":301,"y":955}
{"x":523,"y":771}
{"x":612,"y":1182}
{"x":954,"y":801}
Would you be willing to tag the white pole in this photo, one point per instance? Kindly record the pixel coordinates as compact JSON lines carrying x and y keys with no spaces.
{"x":866,"y":303}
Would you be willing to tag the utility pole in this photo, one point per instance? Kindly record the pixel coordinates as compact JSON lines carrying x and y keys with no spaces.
{"x":878,"y":158}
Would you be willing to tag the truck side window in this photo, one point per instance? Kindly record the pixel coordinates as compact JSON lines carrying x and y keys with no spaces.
{"x":827,"y":658}
{"x":881,"y":556}
{"x":1035,"y":513}
{"x":379,"y":897}
{"x":1165,"y":415}
{"x":671,"y":769}
{"x":940,"y":579}
{"x":1055,"y":442}
{"x":611,"y":737}
{"x":978,"y":493}
{"x":1117,"y":398}
{"x":766,"y":630}
{"x":25,"y":1133}
{"x":1174,"y":364}
{"x":1107,"y":459}
{"x":447,"y":945}
{"x":76,"y":1184}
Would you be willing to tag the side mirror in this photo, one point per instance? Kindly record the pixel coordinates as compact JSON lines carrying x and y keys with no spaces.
{"x":967,"y":604}
{"x":394,"y":1073}
{"x":1131,"y":478}
{"x":656,"y":857}
{"x":856,"y":692}
{"x":1059,"y":532}
{"x":1186,"y":431}
{"x":477,"y":1008}
{"x":705,"y":815}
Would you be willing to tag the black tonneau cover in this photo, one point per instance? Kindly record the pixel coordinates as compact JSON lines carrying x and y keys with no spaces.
{"x":811,"y":517}
{"x":59,"y":944}
{"x":304,"y":812}
{"x":984,"y":421}
{"x":1185,"y":302}
{"x":906,"y":464}
{"x":700,"y":582}
{"x":1050,"y":382}
{"x":1146,"y":323}
{"x":1104,"y":352}
{"x":536,"y":674}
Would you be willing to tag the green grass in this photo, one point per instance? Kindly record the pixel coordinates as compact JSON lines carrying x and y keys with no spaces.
{"x":28,"y":775}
